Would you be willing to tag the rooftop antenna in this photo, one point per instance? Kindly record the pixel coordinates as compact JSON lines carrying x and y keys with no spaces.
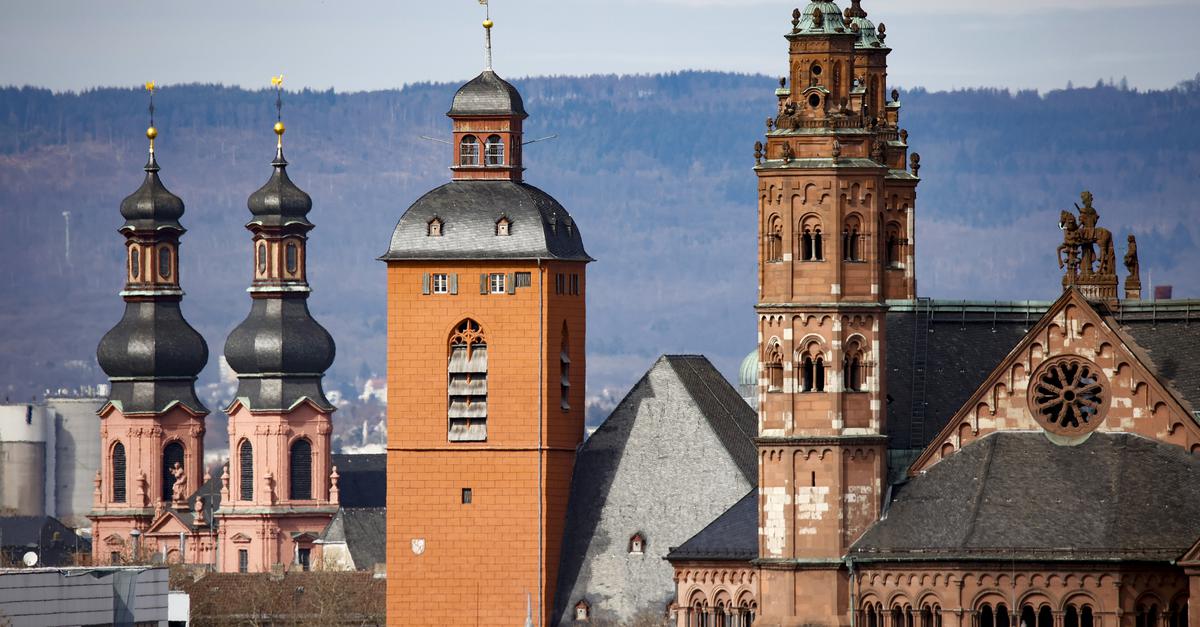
{"x":487,"y":34}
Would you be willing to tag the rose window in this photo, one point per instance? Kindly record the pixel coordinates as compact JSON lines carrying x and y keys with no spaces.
{"x":1069,"y":396}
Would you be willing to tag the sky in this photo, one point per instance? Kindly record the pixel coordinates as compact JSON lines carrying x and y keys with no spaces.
{"x":354,"y":45}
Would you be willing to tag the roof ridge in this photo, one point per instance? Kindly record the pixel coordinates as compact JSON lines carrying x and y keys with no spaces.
{"x":983,"y":479}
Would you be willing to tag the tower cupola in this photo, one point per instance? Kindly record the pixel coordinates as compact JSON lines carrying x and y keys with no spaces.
{"x":488,"y":114}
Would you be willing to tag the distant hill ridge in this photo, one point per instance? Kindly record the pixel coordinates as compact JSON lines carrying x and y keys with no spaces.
{"x":656,"y":170}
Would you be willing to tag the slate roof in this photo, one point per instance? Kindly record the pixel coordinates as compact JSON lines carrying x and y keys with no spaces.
{"x":280,"y":353}
{"x":364,"y":530}
{"x":732,"y":536}
{"x":1171,"y":347}
{"x":487,"y":95}
{"x":279,"y":201}
{"x":152,"y":207}
{"x":540,"y":228}
{"x":152,"y":357}
{"x":1015,"y":495}
{"x":734,"y":422}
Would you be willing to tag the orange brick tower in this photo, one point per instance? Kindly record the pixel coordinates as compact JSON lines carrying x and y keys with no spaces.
{"x":152,"y":427}
{"x":278,"y":492}
{"x":486,"y":328}
{"x":836,"y":218}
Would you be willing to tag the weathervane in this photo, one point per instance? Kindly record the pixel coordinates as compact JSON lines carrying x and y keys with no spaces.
{"x":151,"y":132}
{"x":487,"y":34}
{"x":277,"y":83}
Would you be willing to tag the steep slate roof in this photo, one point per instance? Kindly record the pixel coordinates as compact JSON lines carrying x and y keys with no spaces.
{"x":364,"y":530}
{"x":1015,"y":495}
{"x":487,"y":95}
{"x":540,"y":228}
{"x":734,"y":422}
{"x":732,"y":536}
{"x":1171,"y":348}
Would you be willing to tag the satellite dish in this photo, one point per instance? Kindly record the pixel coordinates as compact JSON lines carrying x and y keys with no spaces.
{"x":30,"y":558}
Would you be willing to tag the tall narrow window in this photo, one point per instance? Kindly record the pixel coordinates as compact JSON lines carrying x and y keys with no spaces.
{"x":565,"y":366}
{"x":774,"y":243}
{"x":468,"y":383}
{"x":118,"y":473}
{"x":164,"y":262}
{"x":852,"y":367}
{"x":300,"y":467}
{"x":806,"y":245}
{"x":850,"y":240}
{"x":135,"y":262}
{"x":468,"y":151}
{"x":243,"y":560}
{"x":262,"y":258}
{"x":246,"y":471}
{"x":495,"y":150}
{"x":818,"y":252}
{"x":292,"y":257}
{"x":172,"y":454}
{"x":774,"y":369}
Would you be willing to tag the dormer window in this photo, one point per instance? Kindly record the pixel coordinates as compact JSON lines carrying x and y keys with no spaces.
{"x":503,"y":225}
{"x":468,"y":151}
{"x":495,"y":151}
{"x":636,"y":544}
{"x":583,"y":611}
{"x":435,"y":227}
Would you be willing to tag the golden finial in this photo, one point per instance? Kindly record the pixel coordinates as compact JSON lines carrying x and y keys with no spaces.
{"x":151,"y":132}
{"x":277,"y":83}
{"x":487,"y":30}
{"x":488,"y":23}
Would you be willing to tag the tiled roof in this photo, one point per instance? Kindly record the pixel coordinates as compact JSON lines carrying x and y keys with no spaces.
{"x":1016,"y":495}
{"x":732,"y":536}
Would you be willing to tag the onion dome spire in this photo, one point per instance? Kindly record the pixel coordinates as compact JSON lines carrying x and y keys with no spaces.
{"x":279,"y":351}
{"x":152,"y":356}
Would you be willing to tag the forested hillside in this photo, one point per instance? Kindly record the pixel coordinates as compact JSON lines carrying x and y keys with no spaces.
{"x":655,"y":169}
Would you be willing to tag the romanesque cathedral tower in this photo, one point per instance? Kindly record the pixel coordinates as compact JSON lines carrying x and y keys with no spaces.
{"x":836,"y":208}
{"x":279,"y":489}
{"x":486,"y":325}
{"x":152,"y":427}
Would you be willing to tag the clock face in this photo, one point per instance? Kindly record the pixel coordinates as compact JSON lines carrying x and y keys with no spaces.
{"x":1069,"y":396}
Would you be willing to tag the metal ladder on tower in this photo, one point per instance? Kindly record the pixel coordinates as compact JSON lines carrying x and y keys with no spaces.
{"x":922,"y":319}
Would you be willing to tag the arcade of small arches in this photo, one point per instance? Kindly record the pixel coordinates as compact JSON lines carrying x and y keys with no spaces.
{"x":720,"y":609}
{"x":811,"y":241}
{"x":811,"y":364}
{"x":1076,"y":611}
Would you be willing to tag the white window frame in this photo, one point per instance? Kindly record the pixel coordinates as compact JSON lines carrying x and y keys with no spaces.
{"x":496,"y":283}
{"x":440,"y":283}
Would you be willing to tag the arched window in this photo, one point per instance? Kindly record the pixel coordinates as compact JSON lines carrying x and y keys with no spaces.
{"x":135,"y":262}
{"x":774,"y":241}
{"x":467,"y":386}
{"x":300,"y":470}
{"x":1002,"y":615}
{"x":774,"y":365}
{"x":811,"y":246}
{"x":164,"y":262}
{"x":853,"y":367}
{"x":892,"y":246}
{"x":292,"y":257}
{"x":1087,"y":620}
{"x":246,"y":471}
{"x":1178,"y":618}
{"x":172,"y":455}
{"x":118,"y":473}
{"x":495,"y":150}
{"x":1045,"y":617}
{"x":262,"y":257}
{"x":468,"y":150}
{"x":850,"y":240}
{"x":818,"y":247}
{"x":564,"y":363}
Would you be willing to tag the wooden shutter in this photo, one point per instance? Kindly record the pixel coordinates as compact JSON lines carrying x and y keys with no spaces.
{"x":118,"y":473}
{"x":300,"y":471}
{"x":425,"y":284}
{"x":512,"y":282}
{"x":483,"y":284}
{"x":454,"y":283}
{"x":246,"y":472}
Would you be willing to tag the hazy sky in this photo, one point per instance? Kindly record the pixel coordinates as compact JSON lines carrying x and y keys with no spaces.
{"x":373,"y":44}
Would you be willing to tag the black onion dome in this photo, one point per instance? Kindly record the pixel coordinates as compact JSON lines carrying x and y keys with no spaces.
{"x":153,"y":356}
{"x":488,"y":94}
{"x":280,"y":354}
{"x":279,"y":202}
{"x":152,"y":207}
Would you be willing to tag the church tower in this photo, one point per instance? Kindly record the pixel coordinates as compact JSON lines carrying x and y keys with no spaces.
{"x":486,"y":332}
{"x":836,"y":223}
{"x":279,"y":490}
{"x":152,"y":427}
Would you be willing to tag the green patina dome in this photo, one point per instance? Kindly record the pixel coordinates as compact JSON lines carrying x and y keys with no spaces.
{"x":748,"y":371}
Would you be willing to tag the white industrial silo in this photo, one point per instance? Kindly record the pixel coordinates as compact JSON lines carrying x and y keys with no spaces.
{"x":26,"y":451}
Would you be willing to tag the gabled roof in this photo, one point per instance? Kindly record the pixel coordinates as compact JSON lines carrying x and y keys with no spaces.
{"x":1016,"y":495}
{"x":733,"y":421}
{"x":732,"y":536}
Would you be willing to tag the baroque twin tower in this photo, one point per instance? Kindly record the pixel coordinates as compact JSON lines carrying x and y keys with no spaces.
{"x":153,"y":495}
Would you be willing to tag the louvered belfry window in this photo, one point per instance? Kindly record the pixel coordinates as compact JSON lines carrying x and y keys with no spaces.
{"x":468,"y":384}
{"x":246,"y":471}
{"x":565,"y":366}
{"x":300,"y":471}
{"x":172,"y":454}
{"x":118,"y":473}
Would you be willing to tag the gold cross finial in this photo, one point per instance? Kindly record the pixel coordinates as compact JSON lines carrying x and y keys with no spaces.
{"x":277,"y":83}
{"x":151,"y":132}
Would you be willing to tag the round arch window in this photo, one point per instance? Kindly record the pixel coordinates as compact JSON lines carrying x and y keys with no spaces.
{"x":814,"y":101}
{"x":135,"y":262}
{"x":1069,"y":396}
{"x":816,"y":69}
{"x":292,"y":257}
{"x":164,"y":262}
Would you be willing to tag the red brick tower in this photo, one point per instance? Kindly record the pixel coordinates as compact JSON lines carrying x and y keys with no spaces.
{"x":835,"y":213}
{"x":152,"y":427}
{"x":486,"y":336}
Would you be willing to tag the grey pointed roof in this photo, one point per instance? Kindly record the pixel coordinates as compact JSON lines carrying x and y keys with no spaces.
{"x":487,"y":95}
{"x":540,"y":228}
{"x":279,"y":202}
{"x":1016,"y":495}
{"x":152,"y":206}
